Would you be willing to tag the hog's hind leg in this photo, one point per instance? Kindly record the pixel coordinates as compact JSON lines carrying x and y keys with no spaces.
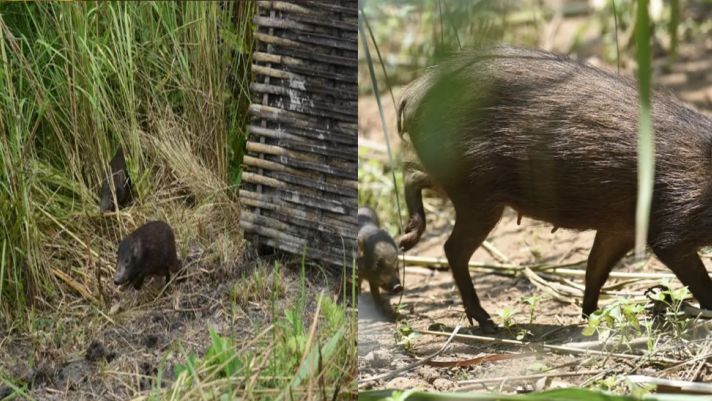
{"x":689,"y":269}
{"x":608,"y":248}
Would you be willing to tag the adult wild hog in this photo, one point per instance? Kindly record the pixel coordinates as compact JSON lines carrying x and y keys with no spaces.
{"x":122,"y":184}
{"x":377,"y":259}
{"x":556,"y":140}
{"x":148,"y":251}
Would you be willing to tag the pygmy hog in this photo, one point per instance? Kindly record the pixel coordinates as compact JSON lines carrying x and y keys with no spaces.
{"x":122,"y":184}
{"x":377,"y":259}
{"x":556,"y":140}
{"x":148,"y":251}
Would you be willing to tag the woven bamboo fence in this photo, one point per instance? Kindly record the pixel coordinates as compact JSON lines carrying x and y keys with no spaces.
{"x":300,"y":184}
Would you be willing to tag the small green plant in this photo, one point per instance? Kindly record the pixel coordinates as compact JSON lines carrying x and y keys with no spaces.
{"x":220,"y":359}
{"x":287,"y":356}
{"x":506,"y":316}
{"x":533,"y":302}
{"x":608,"y":383}
{"x":672,"y":297}
{"x":671,"y":301}
{"x":262,"y":283}
{"x":524,"y":334}
{"x":405,"y":335}
{"x":621,"y":318}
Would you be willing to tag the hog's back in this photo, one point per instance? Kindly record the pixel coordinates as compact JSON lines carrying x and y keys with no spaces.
{"x":158,"y":250}
{"x":554,"y":139}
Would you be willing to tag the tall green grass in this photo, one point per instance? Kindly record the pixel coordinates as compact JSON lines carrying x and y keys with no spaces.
{"x":303,"y":353}
{"x":167,"y":80}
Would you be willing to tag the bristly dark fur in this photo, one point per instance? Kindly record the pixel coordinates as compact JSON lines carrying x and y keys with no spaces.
{"x":150,"y":250}
{"x":556,"y":140}
{"x":122,"y":184}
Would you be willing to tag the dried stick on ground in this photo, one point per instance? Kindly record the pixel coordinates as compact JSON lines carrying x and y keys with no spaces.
{"x":413,"y":365}
{"x":474,"y":384}
{"x":553,"y":348}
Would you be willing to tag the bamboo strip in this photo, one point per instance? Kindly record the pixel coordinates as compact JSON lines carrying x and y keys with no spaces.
{"x":305,"y":53}
{"x":325,"y":149}
{"x":307,"y":160}
{"x":341,"y":223}
{"x":262,"y":180}
{"x":274,"y":165}
{"x":299,"y":82}
{"x":334,"y":256}
{"x":342,"y":206}
{"x":302,"y":50}
{"x":266,"y":164}
{"x":300,"y":183}
{"x":298,"y":120}
{"x":552,"y":269}
{"x":270,"y":232}
{"x":307,"y":34}
{"x":320,"y":185}
{"x":311,"y":10}
{"x":322,"y":105}
{"x":304,"y":178}
{"x":298,"y":134}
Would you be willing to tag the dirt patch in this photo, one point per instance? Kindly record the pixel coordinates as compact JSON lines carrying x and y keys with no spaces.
{"x":117,"y":355}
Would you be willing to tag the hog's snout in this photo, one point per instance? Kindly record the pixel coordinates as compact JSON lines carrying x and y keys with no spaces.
{"x":121,"y":275}
{"x":397,"y":288}
{"x":106,"y":205}
{"x":118,"y":280}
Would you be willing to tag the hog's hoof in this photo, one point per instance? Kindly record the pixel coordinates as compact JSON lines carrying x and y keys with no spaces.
{"x":585,"y":314}
{"x":408,"y":240}
{"x":488,"y":327}
{"x":391,"y":314}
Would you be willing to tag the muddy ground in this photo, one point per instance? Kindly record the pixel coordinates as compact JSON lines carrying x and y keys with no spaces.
{"x":118,"y":352}
{"x":431,"y":300}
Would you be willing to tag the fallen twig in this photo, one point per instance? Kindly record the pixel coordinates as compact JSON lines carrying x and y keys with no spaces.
{"x":553,"y":348}
{"x":510,"y":268}
{"x":478,"y":360}
{"x":413,"y":365}
{"x":599,"y":344}
{"x":672,"y":386}
{"x":473,"y":384}
{"x":496,"y":253}
{"x":547,"y":287}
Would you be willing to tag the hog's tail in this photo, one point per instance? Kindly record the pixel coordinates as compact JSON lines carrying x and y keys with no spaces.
{"x":410,"y":99}
{"x":399,"y":119}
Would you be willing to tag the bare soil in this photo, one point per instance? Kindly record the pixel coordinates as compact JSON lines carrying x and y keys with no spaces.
{"x":431,"y":300}
{"x":119,"y":351}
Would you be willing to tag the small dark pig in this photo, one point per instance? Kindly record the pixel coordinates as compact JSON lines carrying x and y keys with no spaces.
{"x":122,"y":184}
{"x":148,"y":251}
{"x":556,"y":140}
{"x":377,"y":259}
